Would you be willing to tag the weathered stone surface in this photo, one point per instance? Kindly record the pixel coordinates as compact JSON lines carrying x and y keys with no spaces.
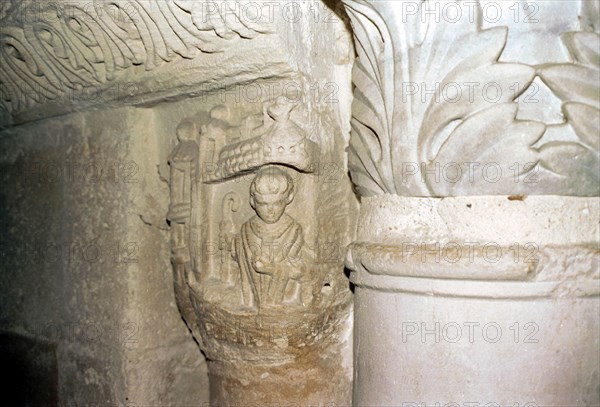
{"x":258,"y":344}
{"x":501,"y":290}
{"x":82,"y":270}
{"x":483,"y":296}
{"x":243,"y":176}
{"x":64,"y":56}
{"x":217,"y":133}
{"x":85,"y":196}
{"x":68,"y":56}
{"x":454,"y":99}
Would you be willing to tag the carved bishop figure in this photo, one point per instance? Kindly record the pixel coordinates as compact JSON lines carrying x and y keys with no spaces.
{"x":268,"y":247}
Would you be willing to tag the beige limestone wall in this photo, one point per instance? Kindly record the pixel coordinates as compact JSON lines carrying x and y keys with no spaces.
{"x":87,"y":312}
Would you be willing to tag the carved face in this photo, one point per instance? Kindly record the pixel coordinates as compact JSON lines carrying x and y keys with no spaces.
{"x":186,"y":131}
{"x":269,"y":208}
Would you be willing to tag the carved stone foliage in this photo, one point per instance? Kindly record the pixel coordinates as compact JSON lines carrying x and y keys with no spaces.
{"x":49,"y":48}
{"x":435,"y":110}
{"x":577,"y":84}
{"x":245,"y":256}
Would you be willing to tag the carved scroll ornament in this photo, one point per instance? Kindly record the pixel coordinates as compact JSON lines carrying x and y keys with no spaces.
{"x":48,"y":48}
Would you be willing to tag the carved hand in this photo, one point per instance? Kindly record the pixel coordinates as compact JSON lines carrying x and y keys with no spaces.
{"x":297,"y":270}
{"x":263,"y":267}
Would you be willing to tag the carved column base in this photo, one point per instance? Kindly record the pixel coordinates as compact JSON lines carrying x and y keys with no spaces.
{"x":295,"y":359}
{"x":477,"y":300}
{"x":310,"y":380}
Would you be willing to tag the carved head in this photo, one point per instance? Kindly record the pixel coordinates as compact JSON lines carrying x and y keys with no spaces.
{"x":186,"y":130}
{"x":271,"y":191}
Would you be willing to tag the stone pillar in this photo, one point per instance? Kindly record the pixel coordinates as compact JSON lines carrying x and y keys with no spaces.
{"x":260,"y":214}
{"x":87,"y":309}
{"x":486,"y":287}
{"x":489,"y":300}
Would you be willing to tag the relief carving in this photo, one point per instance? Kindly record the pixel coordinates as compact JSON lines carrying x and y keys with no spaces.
{"x":183,"y":163}
{"x":249,"y":259}
{"x":184,"y":166}
{"x":279,"y":141}
{"x":267,"y":250}
{"x":415,"y":114}
{"x":576,"y":84}
{"x":269,"y":276}
{"x":49,"y":49}
{"x":424,"y":130}
{"x":231,"y":203}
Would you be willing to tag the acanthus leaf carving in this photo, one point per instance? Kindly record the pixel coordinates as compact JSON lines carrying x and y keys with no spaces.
{"x":485,"y":137}
{"x":573,"y":82}
{"x":373,"y":106}
{"x":585,"y":121}
{"x":400,"y":60}
{"x":432,"y":93}
{"x":577,"y":84}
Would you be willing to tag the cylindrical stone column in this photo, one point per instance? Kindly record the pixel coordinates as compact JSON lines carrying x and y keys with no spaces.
{"x":489,"y":296}
{"x":482,"y":300}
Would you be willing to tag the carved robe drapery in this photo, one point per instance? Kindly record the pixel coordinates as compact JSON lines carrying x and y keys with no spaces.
{"x":276,"y":246}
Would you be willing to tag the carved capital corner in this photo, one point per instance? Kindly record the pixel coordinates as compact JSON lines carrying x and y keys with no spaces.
{"x":258,"y":281}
